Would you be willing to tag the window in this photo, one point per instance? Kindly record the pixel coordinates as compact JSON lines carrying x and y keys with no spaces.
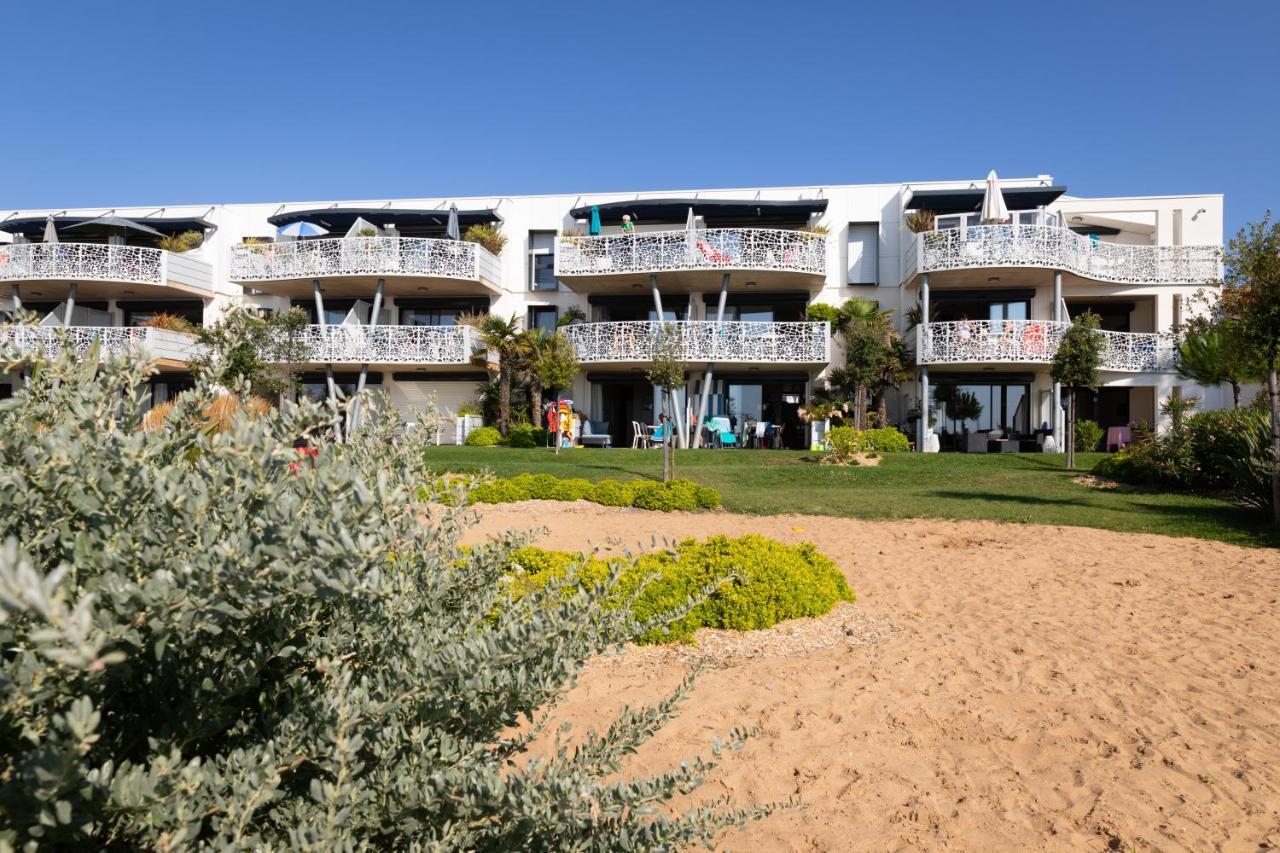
{"x":543,"y":317}
{"x":429,"y":316}
{"x":864,"y":264}
{"x":542,"y":260}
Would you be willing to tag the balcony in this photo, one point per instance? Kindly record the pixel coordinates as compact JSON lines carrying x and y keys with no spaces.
{"x":167,"y":347}
{"x":695,"y":259}
{"x":1055,"y":248}
{"x":102,"y":267}
{"x":981,"y":342}
{"x":350,"y":344}
{"x":703,"y":341}
{"x":407,"y":263}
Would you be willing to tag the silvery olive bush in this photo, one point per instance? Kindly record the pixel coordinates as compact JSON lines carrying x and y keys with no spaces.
{"x":209,"y":639}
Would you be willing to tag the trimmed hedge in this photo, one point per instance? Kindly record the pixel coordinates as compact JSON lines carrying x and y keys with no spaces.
{"x":526,"y":436}
{"x":768,"y":582}
{"x":483,"y":437}
{"x":643,"y":494}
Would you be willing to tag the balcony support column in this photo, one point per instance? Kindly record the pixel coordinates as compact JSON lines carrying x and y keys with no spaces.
{"x":1055,"y":401}
{"x":353,"y":420}
{"x":71,"y":305}
{"x":328,"y":365}
{"x":17,"y":306}
{"x":922,"y":431}
{"x":677,"y":418}
{"x":706,"y":376}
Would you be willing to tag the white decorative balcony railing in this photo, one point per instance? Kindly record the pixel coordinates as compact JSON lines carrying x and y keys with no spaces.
{"x":1034,"y":342}
{"x":706,"y":249}
{"x":408,"y":256}
{"x":388,"y":344}
{"x":101,"y":262}
{"x":1061,"y":248}
{"x":113,"y":341}
{"x":704,"y":340}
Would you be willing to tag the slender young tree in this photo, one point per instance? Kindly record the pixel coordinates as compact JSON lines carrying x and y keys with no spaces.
{"x":666,"y":371}
{"x":1075,"y":365}
{"x":1251,"y":297}
{"x":530,"y":347}
{"x":555,"y":367}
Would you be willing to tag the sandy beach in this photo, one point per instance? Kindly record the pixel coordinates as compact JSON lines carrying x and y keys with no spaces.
{"x":997,"y":687}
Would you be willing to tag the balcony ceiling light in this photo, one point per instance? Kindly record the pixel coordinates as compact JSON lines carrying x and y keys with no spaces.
{"x":995,"y":279}
{"x":422,"y":290}
{"x":751,"y":284}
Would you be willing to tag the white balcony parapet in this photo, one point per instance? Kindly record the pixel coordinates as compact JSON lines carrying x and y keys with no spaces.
{"x":1035,"y":342}
{"x":1051,"y":247}
{"x":113,"y":341}
{"x":705,"y":249}
{"x":392,"y":256}
{"x":704,"y":340}
{"x":389,"y":344}
{"x":102,"y":262}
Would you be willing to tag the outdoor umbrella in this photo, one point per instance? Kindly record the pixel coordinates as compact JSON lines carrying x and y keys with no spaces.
{"x":690,"y":235}
{"x":50,"y":233}
{"x":118,"y":223}
{"x":594,"y":228}
{"x":993,"y":210}
{"x":301,"y":229}
{"x":452,"y":231}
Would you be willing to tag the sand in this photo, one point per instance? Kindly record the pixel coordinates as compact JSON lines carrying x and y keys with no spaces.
{"x":1005,"y":687}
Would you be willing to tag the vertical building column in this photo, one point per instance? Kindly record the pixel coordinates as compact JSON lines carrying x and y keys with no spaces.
{"x":328,"y":365}
{"x":707,"y":374}
{"x":1055,"y":399}
{"x":922,"y":433}
{"x":353,"y":420}
{"x":71,"y":305}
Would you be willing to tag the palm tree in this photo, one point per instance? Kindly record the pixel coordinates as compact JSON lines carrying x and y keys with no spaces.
{"x":867,"y":333}
{"x":502,"y":336}
{"x":531,"y":345}
{"x":1217,"y":353}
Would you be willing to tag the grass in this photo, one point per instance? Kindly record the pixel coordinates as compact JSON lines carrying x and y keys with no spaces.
{"x":1034,"y":488}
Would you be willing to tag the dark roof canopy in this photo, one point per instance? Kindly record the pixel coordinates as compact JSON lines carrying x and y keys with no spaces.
{"x":33,"y":226}
{"x":340,"y":219}
{"x":715,"y":211}
{"x":970,"y":200}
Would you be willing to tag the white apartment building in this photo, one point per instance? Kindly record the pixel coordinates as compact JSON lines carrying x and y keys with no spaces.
{"x":734,"y":269}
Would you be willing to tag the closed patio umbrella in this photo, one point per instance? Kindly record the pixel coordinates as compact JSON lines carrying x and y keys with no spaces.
{"x":994,"y":211}
{"x":452,"y":230}
{"x":116,"y":223}
{"x":50,"y":233}
{"x":301,"y":229}
{"x":594,"y":228}
{"x":690,"y":235}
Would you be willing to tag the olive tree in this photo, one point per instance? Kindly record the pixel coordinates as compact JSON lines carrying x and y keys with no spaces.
{"x":1251,"y":297}
{"x":666,"y":371}
{"x":1075,"y":365}
{"x":213,"y":640}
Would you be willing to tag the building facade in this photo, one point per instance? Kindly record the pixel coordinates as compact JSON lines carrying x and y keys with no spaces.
{"x":732,"y":271}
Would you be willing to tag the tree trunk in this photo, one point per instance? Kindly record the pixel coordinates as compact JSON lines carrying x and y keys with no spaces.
{"x":1071,"y":430}
{"x":1274,"y":393}
{"x":504,"y":395}
{"x":535,"y":404}
{"x":1235,"y":395}
{"x":882,"y":409}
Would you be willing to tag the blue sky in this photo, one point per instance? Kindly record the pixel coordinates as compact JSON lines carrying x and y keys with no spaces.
{"x":117,"y":103}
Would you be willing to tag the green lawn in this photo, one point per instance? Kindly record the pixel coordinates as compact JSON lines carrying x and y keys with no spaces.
{"x":1001,"y":487}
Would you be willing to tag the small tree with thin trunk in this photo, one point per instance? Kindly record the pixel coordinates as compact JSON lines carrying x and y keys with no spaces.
{"x":666,"y":371}
{"x":555,"y":367}
{"x":1251,"y":297}
{"x":1214,"y":351}
{"x":1075,"y":365}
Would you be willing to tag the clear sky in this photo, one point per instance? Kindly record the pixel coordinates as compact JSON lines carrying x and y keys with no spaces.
{"x":118,"y":103}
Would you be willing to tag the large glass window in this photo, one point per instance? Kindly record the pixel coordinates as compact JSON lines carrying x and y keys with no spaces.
{"x":982,"y":407}
{"x":542,"y":260}
{"x":543,"y":317}
{"x":429,"y":316}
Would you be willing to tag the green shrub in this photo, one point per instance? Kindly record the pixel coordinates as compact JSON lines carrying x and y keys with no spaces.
{"x":525,"y":436}
{"x":769,"y":582}
{"x":885,"y":440}
{"x":845,"y":443}
{"x":644,"y":494}
{"x":483,"y":437}
{"x":613,"y":492}
{"x":308,"y":660}
{"x":1088,"y":436}
{"x":821,"y":312}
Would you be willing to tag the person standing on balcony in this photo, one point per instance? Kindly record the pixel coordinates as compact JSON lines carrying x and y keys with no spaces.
{"x":628,"y":227}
